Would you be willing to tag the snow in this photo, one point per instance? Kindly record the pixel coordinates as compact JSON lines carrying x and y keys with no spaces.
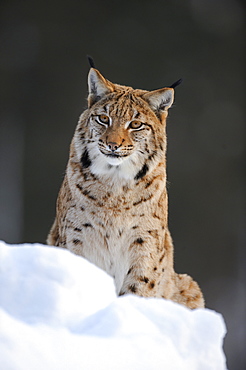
{"x":58,"y":311}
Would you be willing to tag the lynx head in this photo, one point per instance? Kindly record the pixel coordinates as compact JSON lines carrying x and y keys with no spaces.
{"x":122,"y":133}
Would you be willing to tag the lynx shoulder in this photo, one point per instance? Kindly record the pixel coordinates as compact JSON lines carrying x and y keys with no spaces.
{"x":112,"y":206}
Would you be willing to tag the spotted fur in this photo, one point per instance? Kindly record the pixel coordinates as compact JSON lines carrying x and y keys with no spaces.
{"x":112,"y":206}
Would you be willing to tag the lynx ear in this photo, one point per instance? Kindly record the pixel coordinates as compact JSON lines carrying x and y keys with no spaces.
{"x":160,"y":100}
{"x":98,"y":86}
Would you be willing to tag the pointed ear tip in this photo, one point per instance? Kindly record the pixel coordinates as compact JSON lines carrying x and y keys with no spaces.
{"x":93,"y":72}
{"x":170,"y":90}
{"x":167,"y":89}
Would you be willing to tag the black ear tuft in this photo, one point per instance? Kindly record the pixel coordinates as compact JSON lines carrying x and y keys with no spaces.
{"x":176,"y":83}
{"x":91,"y":61}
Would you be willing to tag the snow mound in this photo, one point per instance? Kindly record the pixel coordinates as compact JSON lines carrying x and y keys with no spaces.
{"x":58,"y":311}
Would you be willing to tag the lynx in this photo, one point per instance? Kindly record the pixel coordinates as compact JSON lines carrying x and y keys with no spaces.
{"x":112,"y":207}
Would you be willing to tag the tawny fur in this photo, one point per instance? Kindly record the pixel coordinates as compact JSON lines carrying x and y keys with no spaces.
{"x":112,"y":206}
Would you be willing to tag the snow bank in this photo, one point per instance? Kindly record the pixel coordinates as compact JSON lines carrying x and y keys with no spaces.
{"x":58,"y":311}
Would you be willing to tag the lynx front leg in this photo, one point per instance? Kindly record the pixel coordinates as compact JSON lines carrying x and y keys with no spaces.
{"x":150,"y":270}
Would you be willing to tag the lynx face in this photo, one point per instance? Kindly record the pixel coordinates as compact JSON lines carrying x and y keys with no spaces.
{"x":125,"y":128}
{"x":118,"y":139}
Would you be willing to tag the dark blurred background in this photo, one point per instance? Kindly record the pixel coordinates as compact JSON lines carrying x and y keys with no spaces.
{"x":144,"y":44}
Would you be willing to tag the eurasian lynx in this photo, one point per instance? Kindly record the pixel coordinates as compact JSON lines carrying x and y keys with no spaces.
{"x":112,"y":207}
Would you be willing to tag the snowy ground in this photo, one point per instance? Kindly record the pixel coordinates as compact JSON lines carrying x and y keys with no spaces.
{"x":59,"y":312}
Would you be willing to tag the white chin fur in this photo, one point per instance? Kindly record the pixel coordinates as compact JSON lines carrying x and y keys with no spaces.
{"x":121,"y":168}
{"x":114,"y":161}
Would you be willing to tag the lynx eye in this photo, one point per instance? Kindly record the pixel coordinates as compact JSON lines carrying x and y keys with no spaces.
{"x":135,"y":125}
{"x":103,"y":118}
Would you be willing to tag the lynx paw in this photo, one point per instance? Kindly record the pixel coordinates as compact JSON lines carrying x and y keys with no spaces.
{"x":188,"y":292}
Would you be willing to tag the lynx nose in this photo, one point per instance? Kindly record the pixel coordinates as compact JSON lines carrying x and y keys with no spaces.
{"x":113,"y":146}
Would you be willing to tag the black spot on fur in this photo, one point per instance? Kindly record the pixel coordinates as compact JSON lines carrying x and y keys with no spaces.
{"x":87,"y":225}
{"x":132,"y":288}
{"x":139,"y":241}
{"x":86,"y":176}
{"x":142,"y":172}
{"x":144,"y":279}
{"x":87,"y":194}
{"x":148,"y":184}
{"x":129,"y":271}
{"x":151,"y":285}
{"x":151,"y":156}
{"x":76,"y":241}
{"x":138,"y":202}
{"x":77,"y":229}
{"x":143,"y":200}
{"x":85,"y":160}
{"x":160,"y":260}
